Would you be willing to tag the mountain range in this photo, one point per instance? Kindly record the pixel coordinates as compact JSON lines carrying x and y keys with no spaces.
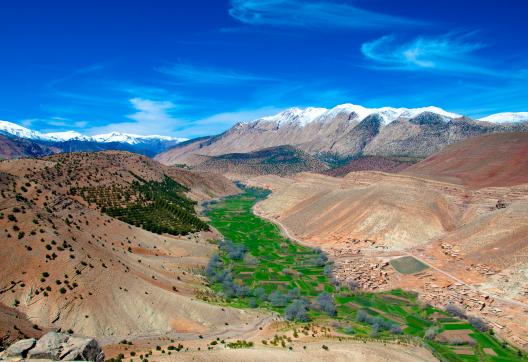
{"x":333,"y":136}
{"x":347,"y":131}
{"x":19,"y":141}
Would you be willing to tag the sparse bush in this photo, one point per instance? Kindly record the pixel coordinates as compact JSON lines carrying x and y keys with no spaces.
{"x":349,"y":330}
{"x":253,"y":303}
{"x":431,"y":332}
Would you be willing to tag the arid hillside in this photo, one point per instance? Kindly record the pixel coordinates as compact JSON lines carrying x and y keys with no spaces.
{"x":490,"y":160}
{"x":370,"y":163}
{"x":282,"y":160}
{"x":68,"y":265}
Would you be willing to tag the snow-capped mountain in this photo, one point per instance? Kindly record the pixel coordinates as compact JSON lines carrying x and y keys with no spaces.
{"x":14,"y":129}
{"x":303,"y":117}
{"x":506,"y":117}
{"x":344,"y":131}
{"x":132,"y":138}
{"x":18,"y":131}
{"x":64,"y":136}
{"x":19,"y":141}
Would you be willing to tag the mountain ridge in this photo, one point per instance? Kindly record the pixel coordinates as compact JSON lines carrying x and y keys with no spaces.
{"x":14,"y":129}
{"x":344,"y":131}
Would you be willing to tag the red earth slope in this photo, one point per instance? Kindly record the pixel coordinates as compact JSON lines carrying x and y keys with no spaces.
{"x":499,"y":159}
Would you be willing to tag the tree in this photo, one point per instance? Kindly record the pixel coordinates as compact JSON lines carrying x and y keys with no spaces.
{"x":456,"y":311}
{"x":277,"y":299}
{"x":478,"y":323}
{"x":431,"y":332}
{"x":297,"y":311}
{"x":326,"y":303}
{"x":260,"y":294}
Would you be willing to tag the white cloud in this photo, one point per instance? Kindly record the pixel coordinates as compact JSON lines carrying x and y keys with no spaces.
{"x":207,"y":75}
{"x":157,"y":117}
{"x":446,"y":53}
{"x":311,"y":14}
{"x":152,"y":117}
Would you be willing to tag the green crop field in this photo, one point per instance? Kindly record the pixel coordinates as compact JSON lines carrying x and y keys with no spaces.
{"x":257,"y":267}
{"x":408,"y":265}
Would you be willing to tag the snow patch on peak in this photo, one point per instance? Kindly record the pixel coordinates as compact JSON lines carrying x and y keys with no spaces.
{"x":303,"y":117}
{"x":65,"y":136}
{"x":506,"y":117}
{"x":295,"y":115}
{"x":17,"y":130}
{"x":23,"y":132}
{"x":132,"y":138}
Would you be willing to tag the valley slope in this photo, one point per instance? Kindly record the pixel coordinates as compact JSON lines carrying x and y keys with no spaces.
{"x":471,"y":235}
{"x":67,"y":265}
{"x":490,"y":160}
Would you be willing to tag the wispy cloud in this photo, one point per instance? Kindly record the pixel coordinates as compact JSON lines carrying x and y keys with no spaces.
{"x":50,"y":124}
{"x":454,"y":53}
{"x":83,"y":70}
{"x":150,"y":117}
{"x":212,"y":76}
{"x":311,"y":14}
{"x":151,"y":111}
{"x":86,"y":99}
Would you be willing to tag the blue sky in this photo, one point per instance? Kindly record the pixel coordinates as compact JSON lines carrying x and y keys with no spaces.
{"x":192,"y":68}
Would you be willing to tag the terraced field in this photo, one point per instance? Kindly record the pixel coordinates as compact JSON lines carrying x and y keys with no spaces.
{"x":259,"y":268}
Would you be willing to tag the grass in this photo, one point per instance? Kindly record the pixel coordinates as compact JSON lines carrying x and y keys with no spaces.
{"x":408,"y":265}
{"x":279,"y":264}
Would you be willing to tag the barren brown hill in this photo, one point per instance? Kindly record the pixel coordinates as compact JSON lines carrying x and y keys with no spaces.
{"x":370,"y":163}
{"x":67,"y":265}
{"x":491,"y":160}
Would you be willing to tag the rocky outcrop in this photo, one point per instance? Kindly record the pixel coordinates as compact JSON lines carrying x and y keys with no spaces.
{"x":21,"y":348}
{"x":56,"y":347}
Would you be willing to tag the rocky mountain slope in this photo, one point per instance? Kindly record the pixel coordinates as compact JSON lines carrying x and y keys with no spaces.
{"x":67,"y":264}
{"x":282,"y":160}
{"x":373,"y":163}
{"x":343,"y":131}
{"x":16,"y":147}
{"x":17,"y":141}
